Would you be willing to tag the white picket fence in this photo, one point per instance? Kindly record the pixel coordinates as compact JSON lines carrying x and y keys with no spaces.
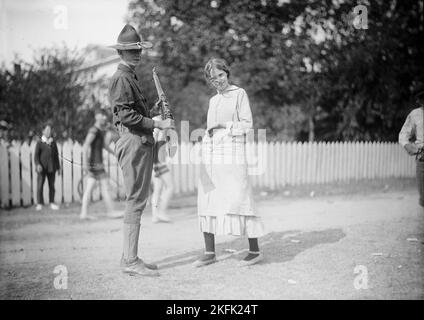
{"x":285,"y":164}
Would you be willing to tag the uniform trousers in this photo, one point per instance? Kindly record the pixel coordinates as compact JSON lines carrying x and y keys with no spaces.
{"x":135,"y":157}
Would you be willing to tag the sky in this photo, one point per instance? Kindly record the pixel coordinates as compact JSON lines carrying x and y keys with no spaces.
{"x":31,"y":24}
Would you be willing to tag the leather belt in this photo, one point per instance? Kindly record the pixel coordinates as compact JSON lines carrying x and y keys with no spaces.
{"x":145,"y":137}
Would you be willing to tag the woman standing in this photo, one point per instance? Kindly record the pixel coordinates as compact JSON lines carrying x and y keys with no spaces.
{"x":225,"y":204}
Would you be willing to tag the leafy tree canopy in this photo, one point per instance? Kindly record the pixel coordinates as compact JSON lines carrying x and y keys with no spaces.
{"x":303,"y":63}
{"x":49,"y":90}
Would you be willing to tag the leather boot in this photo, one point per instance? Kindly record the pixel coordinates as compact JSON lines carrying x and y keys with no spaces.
{"x":151,"y":266}
{"x":130,"y":263}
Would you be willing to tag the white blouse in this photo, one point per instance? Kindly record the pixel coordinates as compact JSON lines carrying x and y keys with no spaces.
{"x":231,"y":107}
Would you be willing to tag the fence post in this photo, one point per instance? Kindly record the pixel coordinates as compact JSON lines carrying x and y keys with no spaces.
{"x":67,"y":171}
{"x":283,"y":161}
{"x":278,"y":162}
{"x":58,"y":184}
{"x":15,"y":174}
{"x":26,"y":174}
{"x":4,"y":176}
{"x":77,"y":154}
{"x":33,"y":173}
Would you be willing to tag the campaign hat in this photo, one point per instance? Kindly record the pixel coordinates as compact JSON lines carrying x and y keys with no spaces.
{"x":129,"y":39}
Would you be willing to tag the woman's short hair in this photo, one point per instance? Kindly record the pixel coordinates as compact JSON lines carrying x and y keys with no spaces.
{"x":219,"y":64}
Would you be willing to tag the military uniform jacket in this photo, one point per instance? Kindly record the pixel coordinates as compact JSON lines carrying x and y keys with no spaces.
{"x":129,"y":107}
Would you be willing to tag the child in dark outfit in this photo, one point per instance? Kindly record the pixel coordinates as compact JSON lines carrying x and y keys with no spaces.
{"x":46,"y":160}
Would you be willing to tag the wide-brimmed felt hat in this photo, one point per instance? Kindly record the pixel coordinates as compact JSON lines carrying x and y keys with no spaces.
{"x":129,"y":39}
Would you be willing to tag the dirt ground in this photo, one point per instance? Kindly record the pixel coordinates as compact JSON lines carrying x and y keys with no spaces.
{"x":360,"y":242}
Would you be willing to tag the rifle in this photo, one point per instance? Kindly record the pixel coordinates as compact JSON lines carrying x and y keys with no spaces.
{"x":165,"y":111}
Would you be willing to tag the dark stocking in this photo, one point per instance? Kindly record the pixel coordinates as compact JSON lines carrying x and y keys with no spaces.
{"x":253,"y":244}
{"x":253,"y":247}
{"x":209,"y":241}
{"x":209,"y":247}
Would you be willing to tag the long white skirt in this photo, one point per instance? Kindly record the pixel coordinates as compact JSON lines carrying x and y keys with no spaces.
{"x":232,"y":224}
{"x":225,"y":204}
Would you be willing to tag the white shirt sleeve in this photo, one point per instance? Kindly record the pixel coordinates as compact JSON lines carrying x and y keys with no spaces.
{"x":408,"y":131}
{"x":210,"y":120}
{"x":243,"y":117}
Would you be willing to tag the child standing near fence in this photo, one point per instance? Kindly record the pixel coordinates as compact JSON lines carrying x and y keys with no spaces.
{"x":46,"y":159}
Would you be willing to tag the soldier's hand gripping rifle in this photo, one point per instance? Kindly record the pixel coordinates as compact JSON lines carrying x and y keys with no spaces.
{"x":165,"y":111}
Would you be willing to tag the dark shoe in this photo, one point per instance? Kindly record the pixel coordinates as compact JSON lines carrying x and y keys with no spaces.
{"x":138,"y":268}
{"x":150,"y":266}
{"x":251,"y":259}
{"x":207,"y":258}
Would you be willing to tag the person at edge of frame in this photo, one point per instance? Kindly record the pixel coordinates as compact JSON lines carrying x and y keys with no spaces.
{"x":411,"y":137}
{"x":134,"y":148}
{"x":93,"y":147}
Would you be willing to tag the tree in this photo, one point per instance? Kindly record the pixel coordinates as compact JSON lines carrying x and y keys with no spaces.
{"x":48,"y":90}
{"x":306,"y":56}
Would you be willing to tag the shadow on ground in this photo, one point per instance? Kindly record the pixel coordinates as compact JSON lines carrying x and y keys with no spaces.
{"x":277,"y":247}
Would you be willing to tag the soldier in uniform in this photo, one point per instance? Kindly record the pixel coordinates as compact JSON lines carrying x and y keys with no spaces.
{"x":134,"y":148}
